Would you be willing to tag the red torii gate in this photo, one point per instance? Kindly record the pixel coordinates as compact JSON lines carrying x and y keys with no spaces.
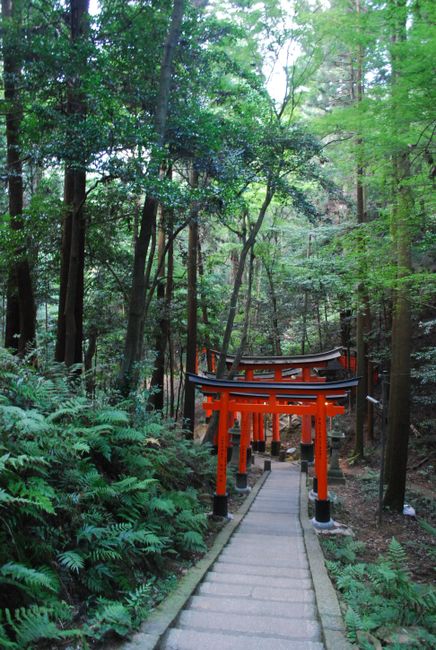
{"x":275,"y":397}
{"x":282,"y":369}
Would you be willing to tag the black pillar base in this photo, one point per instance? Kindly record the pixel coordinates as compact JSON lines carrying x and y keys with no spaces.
{"x":241,"y":481}
{"x":220,"y":505}
{"x":322,"y":511}
{"x":304,"y":466}
{"x":275,"y":448}
{"x":306,"y":452}
{"x":255,"y":445}
{"x":315,"y":485}
{"x":282,"y":456}
{"x":261,"y":446}
{"x":249,"y":457}
{"x":267,"y":465}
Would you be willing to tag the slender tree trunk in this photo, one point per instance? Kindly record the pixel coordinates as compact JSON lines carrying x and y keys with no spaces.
{"x":133,"y":343}
{"x":191,"y":340}
{"x":70,"y":316}
{"x":221,"y":368}
{"x":164,"y":296}
{"x":275,"y":318}
{"x":203,"y":303}
{"x":362,"y":316}
{"x":20,"y":310}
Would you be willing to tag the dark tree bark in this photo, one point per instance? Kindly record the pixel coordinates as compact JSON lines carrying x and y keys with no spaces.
{"x":191,"y":338}
{"x":20,"y":309}
{"x":164,"y":297}
{"x":402,"y":228}
{"x":276,"y":347}
{"x":203,"y":304}
{"x":70,"y":315}
{"x":248,"y":245}
{"x":363,"y":314}
{"x":133,"y":343}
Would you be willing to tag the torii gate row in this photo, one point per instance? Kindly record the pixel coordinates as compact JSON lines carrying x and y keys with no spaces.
{"x":244,"y":398}
{"x":283,"y":368}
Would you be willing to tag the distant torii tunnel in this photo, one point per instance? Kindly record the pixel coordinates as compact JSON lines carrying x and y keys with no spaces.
{"x":290,"y":369}
{"x":252,"y":397}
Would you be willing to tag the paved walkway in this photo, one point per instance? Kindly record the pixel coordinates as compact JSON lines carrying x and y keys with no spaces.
{"x":258,"y":595}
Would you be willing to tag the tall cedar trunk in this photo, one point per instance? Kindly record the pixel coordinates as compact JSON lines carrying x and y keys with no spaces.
{"x":20,"y":308}
{"x":204,"y":310}
{"x":399,"y":397}
{"x":191,"y":339}
{"x":276,"y":347}
{"x":70,"y":315}
{"x":164,"y":296}
{"x":304,"y":336}
{"x":135,"y":320}
{"x":248,"y":245}
{"x":362,"y":298}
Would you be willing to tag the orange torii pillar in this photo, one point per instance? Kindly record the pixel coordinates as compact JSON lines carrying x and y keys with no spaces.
{"x":275,"y":443}
{"x":306,"y":444}
{"x":244,"y":443}
{"x":220,"y":498}
{"x":322,"y":517}
{"x":261,"y":445}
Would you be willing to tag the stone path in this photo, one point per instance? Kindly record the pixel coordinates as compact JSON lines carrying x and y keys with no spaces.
{"x":259,"y":594}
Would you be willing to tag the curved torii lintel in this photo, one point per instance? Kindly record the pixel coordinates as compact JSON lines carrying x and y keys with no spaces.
{"x":272,"y":387}
{"x":289,"y":361}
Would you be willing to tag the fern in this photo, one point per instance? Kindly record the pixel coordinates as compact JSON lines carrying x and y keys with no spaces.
{"x":19,"y":575}
{"x":71,"y":560}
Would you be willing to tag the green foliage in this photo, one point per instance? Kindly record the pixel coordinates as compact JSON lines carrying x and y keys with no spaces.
{"x":94,"y":502}
{"x":381,"y":597}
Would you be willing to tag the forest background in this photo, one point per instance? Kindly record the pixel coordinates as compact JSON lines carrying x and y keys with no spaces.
{"x":248,"y":176}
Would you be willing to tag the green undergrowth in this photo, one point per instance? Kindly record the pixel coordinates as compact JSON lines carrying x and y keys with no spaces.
{"x":99,"y":507}
{"x":383,"y":606}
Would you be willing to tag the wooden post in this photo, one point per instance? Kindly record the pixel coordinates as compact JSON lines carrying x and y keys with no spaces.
{"x":220,"y":497}
{"x":322,"y":503}
{"x":261,"y":445}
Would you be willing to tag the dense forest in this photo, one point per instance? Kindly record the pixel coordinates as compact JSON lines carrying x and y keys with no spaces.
{"x":248,"y":176}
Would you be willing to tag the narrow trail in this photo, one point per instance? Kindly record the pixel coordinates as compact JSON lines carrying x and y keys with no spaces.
{"x":258,"y":595}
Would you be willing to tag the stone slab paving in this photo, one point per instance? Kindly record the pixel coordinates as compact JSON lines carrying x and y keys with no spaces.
{"x":258,"y":595}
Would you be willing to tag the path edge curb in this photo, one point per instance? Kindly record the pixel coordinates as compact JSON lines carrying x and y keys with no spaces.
{"x":152,"y":631}
{"x":329,"y":611}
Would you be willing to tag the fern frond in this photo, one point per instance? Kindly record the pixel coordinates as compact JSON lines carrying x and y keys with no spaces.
{"x":71,"y":560}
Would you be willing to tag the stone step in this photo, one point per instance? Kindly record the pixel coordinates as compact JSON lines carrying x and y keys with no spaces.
{"x":222,"y":566}
{"x":270,"y":581}
{"x":178,"y":639}
{"x":250,"y":624}
{"x":251,"y":606}
{"x":260,"y":593}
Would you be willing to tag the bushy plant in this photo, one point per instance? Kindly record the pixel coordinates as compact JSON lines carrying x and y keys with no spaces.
{"x":95,"y":508}
{"x":382,"y":602}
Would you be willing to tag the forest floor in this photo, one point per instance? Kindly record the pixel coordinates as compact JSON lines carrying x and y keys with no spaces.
{"x":357,"y":507}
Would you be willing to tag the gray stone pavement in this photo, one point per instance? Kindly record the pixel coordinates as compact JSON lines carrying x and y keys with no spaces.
{"x":258,"y":595}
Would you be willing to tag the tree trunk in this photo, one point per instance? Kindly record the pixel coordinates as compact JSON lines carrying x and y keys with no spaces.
{"x":164,"y":296}
{"x":204,"y":311}
{"x":221,"y":368}
{"x":133,"y":345}
{"x":191,"y":339}
{"x":275,"y":319}
{"x":20,"y":309}
{"x":362,"y":318}
{"x":70,"y":315}
{"x":399,"y":397}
